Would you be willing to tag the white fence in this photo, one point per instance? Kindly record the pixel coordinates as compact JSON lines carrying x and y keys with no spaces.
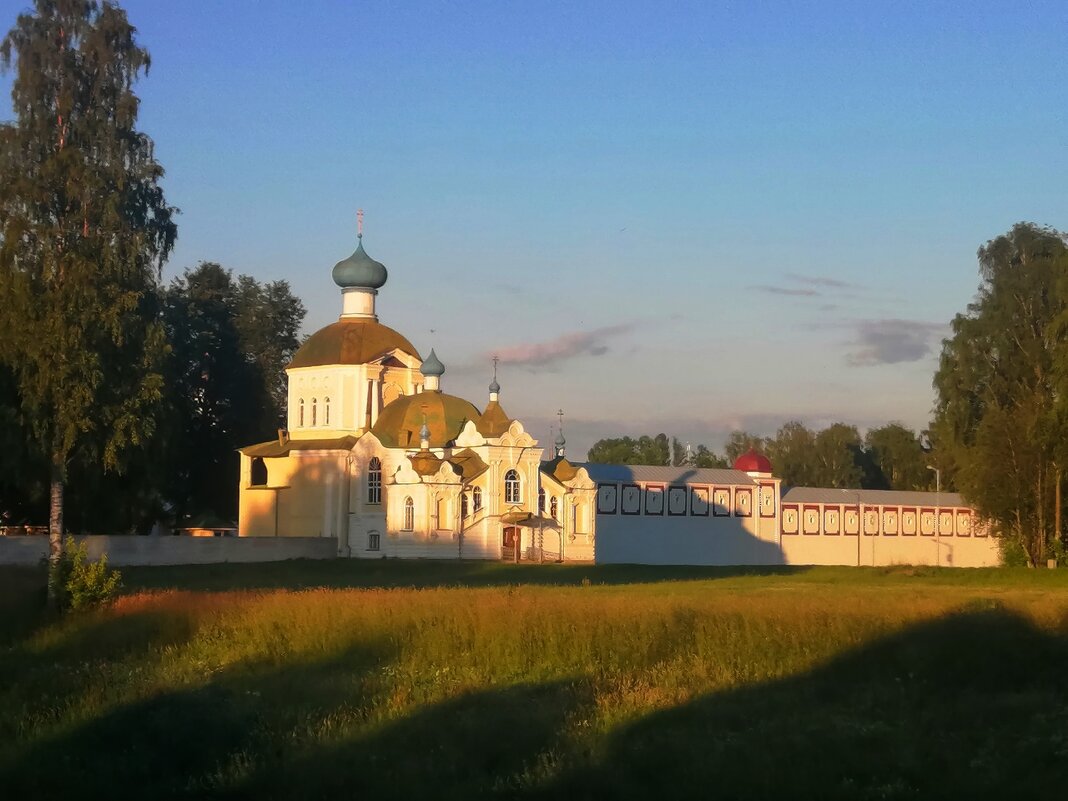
{"x":167,"y":550}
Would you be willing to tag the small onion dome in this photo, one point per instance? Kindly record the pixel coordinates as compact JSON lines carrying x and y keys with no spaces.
{"x":560,"y":441}
{"x":753,"y":462}
{"x":432,"y":366}
{"x":494,"y":386}
{"x":401,"y":421}
{"x":360,"y":270}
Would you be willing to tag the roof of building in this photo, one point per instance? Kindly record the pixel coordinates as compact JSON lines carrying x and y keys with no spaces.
{"x":753,"y":462}
{"x":561,"y":469}
{"x":425,"y":463}
{"x":273,"y":447}
{"x":872,"y":497}
{"x":358,"y":341}
{"x":665,"y":475}
{"x":469,"y":464}
{"x":399,"y":423}
{"x":493,"y":421}
{"x":360,"y":270}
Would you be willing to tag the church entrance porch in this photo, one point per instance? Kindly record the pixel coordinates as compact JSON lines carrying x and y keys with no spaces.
{"x":541,"y":533}
{"x":511,"y":541}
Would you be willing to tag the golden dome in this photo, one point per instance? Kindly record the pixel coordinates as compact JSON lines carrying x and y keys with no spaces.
{"x":399,"y":423}
{"x":350,"y":342}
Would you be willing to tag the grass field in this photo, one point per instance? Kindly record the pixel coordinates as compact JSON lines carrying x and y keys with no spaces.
{"x":348,"y":680}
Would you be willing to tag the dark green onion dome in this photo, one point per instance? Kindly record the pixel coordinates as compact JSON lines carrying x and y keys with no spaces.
{"x":432,"y":366}
{"x":360,"y":270}
{"x":359,"y":341}
{"x":399,"y":424}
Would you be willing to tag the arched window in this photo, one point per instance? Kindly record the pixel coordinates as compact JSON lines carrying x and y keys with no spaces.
{"x":300,"y":419}
{"x":259,"y":473}
{"x":315,"y":410}
{"x":409,"y":515}
{"x":476,"y":498}
{"x":464,"y":511}
{"x":541,"y":500}
{"x":374,"y":481}
{"x":326,"y":411}
{"x":443,"y":514}
{"x":553,"y":508}
{"x":512,"y":492}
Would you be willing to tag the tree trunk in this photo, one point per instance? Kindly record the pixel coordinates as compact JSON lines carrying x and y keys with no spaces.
{"x":55,"y":528}
{"x":1057,"y":532}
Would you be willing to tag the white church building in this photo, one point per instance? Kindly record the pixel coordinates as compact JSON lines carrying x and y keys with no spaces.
{"x":377,"y":455}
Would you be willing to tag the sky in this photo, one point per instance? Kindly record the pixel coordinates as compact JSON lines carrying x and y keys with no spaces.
{"x":677,"y":217}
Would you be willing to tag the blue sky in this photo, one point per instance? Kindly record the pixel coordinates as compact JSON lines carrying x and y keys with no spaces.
{"x":665,"y":216}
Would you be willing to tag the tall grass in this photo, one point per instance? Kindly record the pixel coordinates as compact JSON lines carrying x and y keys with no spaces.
{"x":463,"y":691}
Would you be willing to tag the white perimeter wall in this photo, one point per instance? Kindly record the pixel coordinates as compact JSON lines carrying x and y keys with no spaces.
{"x":167,"y":550}
{"x":659,"y":540}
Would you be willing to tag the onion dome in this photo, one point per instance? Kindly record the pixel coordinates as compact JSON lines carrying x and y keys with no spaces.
{"x":432,"y":367}
{"x":360,"y":270}
{"x":350,"y":341}
{"x":494,"y":386}
{"x":753,"y":462}
{"x":560,"y":441}
{"x":400,"y":422}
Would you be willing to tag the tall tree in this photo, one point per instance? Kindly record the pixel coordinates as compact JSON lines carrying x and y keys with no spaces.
{"x":898,"y":459}
{"x":84,"y":231}
{"x":218,"y":391}
{"x":268,"y":319}
{"x":836,"y":457}
{"x":997,"y":428}
{"x":791,"y":453}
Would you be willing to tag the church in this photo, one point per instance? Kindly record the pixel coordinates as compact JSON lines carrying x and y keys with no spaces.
{"x":378,"y":456}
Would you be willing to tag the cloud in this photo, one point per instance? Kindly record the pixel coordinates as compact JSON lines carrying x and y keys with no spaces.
{"x":820,"y":280}
{"x":783,"y":290}
{"x":892,"y":341}
{"x":595,"y":342}
{"x":798,"y":285}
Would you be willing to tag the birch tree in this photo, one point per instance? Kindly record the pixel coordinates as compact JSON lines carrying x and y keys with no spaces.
{"x":84,"y":231}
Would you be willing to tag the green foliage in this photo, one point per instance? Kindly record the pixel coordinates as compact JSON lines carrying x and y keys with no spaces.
{"x":230,"y":341}
{"x":1000,"y":424}
{"x":85,"y":583}
{"x":84,"y":231}
{"x":897,"y":459}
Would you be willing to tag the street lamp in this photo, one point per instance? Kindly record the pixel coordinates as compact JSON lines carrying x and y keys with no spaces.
{"x":938,"y":511}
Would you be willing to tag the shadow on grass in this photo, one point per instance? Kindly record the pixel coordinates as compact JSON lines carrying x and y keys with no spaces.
{"x":477,"y":745}
{"x":973,"y":705}
{"x":187,"y":743}
{"x":418,"y":574}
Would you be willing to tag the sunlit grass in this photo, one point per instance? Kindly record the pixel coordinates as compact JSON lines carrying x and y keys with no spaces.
{"x":502,"y":688}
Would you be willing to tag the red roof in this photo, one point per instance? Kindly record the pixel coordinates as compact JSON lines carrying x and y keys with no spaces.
{"x":753,"y":462}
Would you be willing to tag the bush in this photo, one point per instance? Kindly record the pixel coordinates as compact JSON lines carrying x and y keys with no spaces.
{"x":82,"y":582}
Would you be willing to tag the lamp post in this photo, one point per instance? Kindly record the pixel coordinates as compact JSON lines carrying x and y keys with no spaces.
{"x":938,"y":512}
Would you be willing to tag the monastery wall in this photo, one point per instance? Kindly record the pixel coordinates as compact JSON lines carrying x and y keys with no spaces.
{"x":168,"y":550}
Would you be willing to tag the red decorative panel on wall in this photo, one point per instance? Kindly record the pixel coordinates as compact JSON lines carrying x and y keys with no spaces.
{"x":790,"y":519}
{"x":810,"y":520}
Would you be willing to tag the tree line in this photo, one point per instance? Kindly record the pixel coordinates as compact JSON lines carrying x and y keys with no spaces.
{"x":888,"y":457}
